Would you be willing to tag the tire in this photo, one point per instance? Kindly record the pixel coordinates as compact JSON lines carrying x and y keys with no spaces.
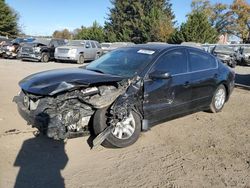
{"x":45,"y":57}
{"x":100,"y":123}
{"x":80,"y":59}
{"x":218,"y":103}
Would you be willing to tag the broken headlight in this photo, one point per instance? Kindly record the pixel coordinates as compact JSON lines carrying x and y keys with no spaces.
{"x":72,"y":51}
{"x":37,"y":49}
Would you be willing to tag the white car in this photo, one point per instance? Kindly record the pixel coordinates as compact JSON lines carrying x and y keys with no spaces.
{"x":79,"y":51}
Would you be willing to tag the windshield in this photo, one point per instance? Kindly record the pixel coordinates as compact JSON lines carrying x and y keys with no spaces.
{"x":224,"y":49}
{"x":246,"y":50}
{"x":125,"y":62}
{"x":75,"y":43}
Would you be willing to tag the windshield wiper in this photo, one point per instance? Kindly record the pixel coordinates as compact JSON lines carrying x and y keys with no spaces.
{"x":96,"y":70}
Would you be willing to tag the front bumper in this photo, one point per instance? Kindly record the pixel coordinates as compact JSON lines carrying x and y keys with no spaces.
{"x":9,"y":55}
{"x":26,"y":114}
{"x":246,"y":60}
{"x":31,"y":56}
{"x":66,"y":57}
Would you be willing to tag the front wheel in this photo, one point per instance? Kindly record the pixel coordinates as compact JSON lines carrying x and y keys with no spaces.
{"x":45,"y":57}
{"x":125,"y":132}
{"x":219,"y":99}
{"x":80,"y":59}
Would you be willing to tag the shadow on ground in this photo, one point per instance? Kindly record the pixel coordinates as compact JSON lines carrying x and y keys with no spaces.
{"x":243,"y":79}
{"x":40,"y":161}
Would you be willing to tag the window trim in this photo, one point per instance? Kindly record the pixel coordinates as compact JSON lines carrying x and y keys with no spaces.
{"x":164,"y":53}
{"x":205,"y":53}
{"x":146,"y":75}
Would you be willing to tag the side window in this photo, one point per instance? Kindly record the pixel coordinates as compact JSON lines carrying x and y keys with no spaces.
{"x":93,"y":44}
{"x":60,"y":42}
{"x":54,"y":43}
{"x":174,"y":62}
{"x":98,"y":44}
{"x":200,"y":61}
{"x":87,"y":44}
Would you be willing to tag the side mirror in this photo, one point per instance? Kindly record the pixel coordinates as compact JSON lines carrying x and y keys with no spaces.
{"x":159,"y":75}
{"x":87,"y":46}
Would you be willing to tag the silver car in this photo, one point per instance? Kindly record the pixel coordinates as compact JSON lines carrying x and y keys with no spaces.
{"x":79,"y":51}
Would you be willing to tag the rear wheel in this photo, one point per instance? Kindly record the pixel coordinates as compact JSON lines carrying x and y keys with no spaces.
{"x":125,"y":132}
{"x":219,"y":99}
{"x":80,"y":59}
{"x":45,"y":57}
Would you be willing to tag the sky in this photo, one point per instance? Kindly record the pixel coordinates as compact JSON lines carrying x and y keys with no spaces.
{"x":46,"y":16}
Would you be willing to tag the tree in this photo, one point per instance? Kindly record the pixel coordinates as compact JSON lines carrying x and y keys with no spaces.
{"x":219,"y":14}
{"x":241,"y":13}
{"x":196,"y":29}
{"x":139,"y":21}
{"x":95,"y":32}
{"x":8,"y":20}
{"x":63,"y":34}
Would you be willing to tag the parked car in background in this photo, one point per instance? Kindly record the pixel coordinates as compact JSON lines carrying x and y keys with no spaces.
{"x":226,"y":54}
{"x":208,"y":47}
{"x":108,"y":47}
{"x":11,"y":50}
{"x":79,"y":51}
{"x":243,"y":55}
{"x":124,"y":92}
{"x":193,"y":44}
{"x":41,"y":49}
{"x":3,"y":47}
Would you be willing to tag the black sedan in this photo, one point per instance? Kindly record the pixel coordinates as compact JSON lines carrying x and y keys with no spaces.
{"x":124,"y":92}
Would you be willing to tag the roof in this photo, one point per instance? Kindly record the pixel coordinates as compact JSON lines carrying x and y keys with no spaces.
{"x":154,"y":46}
{"x":45,"y":41}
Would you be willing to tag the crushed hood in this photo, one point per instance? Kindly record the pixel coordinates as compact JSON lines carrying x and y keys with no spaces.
{"x":55,"y":81}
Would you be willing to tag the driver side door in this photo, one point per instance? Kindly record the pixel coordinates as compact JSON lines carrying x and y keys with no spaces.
{"x":166,"y":97}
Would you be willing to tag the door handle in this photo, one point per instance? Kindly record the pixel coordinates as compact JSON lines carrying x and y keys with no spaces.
{"x":215,"y":75}
{"x":186,"y":84}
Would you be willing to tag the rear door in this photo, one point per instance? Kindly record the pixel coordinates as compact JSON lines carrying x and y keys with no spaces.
{"x":166,"y":97}
{"x":88,"y":50}
{"x":94,"y":50}
{"x":203,"y":70}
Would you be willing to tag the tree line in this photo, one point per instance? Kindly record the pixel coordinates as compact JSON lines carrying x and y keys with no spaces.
{"x":142,"y":21}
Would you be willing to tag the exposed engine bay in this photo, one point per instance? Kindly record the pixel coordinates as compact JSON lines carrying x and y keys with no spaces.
{"x":67,"y":114}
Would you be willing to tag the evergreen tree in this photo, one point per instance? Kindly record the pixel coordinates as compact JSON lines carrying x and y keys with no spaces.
{"x":139,"y":21}
{"x":8,"y":20}
{"x":196,"y":29}
{"x":95,"y":32}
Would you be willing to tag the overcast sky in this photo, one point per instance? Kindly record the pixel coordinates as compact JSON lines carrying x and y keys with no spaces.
{"x":46,"y":16}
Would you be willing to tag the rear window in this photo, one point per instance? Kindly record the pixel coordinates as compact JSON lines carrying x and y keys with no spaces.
{"x":200,"y":61}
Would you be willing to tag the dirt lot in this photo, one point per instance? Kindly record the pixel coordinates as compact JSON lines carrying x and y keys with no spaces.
{"x":198,"y":150}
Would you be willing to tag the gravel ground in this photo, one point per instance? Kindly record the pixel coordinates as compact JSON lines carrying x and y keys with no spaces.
{"x":198,"y":150}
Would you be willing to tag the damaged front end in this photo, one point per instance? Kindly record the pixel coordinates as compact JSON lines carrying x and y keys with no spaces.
{"x":67,"y":113}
